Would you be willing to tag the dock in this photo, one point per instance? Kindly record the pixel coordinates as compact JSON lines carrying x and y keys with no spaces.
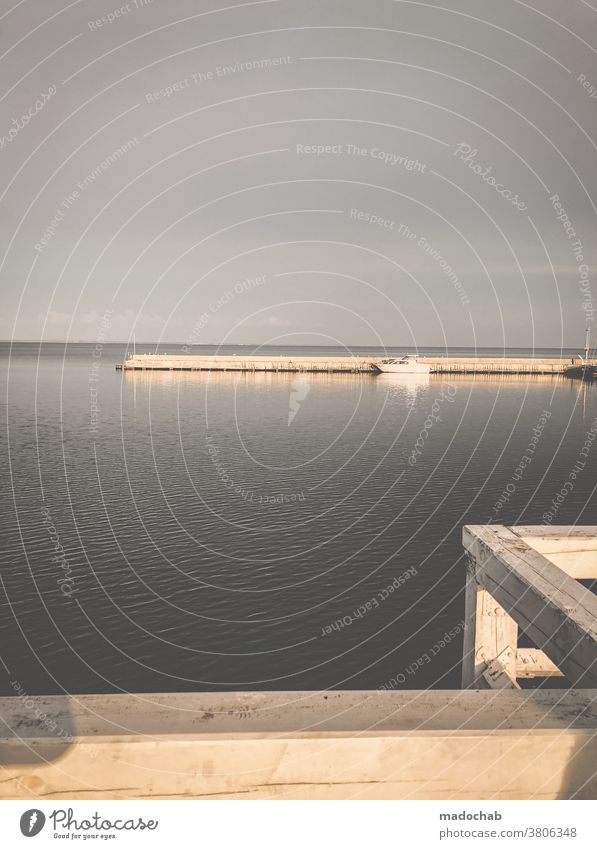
{"x":347,"y":364}
{"x":490,"y":740}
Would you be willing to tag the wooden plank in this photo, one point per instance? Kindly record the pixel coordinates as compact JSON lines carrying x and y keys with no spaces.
{"x":556,"y":612}
{"x":573,"y":548}
{"x":470,"y":670}
{"x":489,"y":632}
{"x":382,"y":745}
{"x":557,"y":531}
{"x":226,"y":715}
{"x":495,"y":635}
{"x":451,"y":765}
{"x":577,"y":564}
{"x":499,"y":635}
{"x":534,"y":663}
{"x":576,"y":556}
{"x":561,"y":545}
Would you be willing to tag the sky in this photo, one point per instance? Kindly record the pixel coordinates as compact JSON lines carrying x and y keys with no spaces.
{"x":298,"y":172}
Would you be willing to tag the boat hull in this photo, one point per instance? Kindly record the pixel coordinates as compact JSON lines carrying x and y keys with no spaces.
{"x":585,"y":372}
{"x":403,"y":368}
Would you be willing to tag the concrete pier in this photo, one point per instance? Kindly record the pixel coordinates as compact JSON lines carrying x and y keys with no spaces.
{"x":353,"y":365}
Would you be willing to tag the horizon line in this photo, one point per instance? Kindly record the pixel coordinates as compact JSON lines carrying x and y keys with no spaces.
{"x":272,"y":345}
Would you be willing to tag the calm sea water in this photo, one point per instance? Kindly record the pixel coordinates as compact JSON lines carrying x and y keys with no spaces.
{"x":219,"y":531}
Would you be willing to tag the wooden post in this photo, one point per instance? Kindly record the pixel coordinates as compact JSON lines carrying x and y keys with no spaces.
{"x":470,"y":623}
{"x":558,"y":614}
{"x":489,"y":633}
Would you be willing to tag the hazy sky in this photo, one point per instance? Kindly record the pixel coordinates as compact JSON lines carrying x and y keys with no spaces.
{"x":292,"y":171}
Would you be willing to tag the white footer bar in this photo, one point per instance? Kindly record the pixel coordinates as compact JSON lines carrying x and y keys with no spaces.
{"x":301,"y":824}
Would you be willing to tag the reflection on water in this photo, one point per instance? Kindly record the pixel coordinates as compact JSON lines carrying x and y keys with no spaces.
{"x":403,"y":385}
{"x":261,"y":531}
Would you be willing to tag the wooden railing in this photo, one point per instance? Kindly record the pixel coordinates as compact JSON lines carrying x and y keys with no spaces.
{"x":527,"y":577}
{"x":390,"y":744}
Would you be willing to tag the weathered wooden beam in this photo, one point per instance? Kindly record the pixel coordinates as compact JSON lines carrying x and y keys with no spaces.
{"x":489,"y":632}
{"x":576,"y":557}
{"x":558,"y":614}
{"x":470,"y":669}
{"x":555,"y":531}
{"x":222,"y":715}
{"x":534,"y":663}
{"x":381,"y":745}
{"x":573,"y":549}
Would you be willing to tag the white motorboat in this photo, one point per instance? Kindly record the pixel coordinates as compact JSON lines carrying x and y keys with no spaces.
{"x":409,"y":364}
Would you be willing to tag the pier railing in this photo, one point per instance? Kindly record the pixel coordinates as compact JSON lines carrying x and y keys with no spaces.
{"x":527,"y":578}
{"x":495,"y":741}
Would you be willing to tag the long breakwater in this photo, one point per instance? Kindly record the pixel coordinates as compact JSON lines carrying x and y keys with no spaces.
{"x":348,"y":364}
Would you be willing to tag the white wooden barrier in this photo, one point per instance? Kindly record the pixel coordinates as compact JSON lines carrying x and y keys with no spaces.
{"x":494,"y":742}
{"x":510,"y":744}
{"x":527,"y":577}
